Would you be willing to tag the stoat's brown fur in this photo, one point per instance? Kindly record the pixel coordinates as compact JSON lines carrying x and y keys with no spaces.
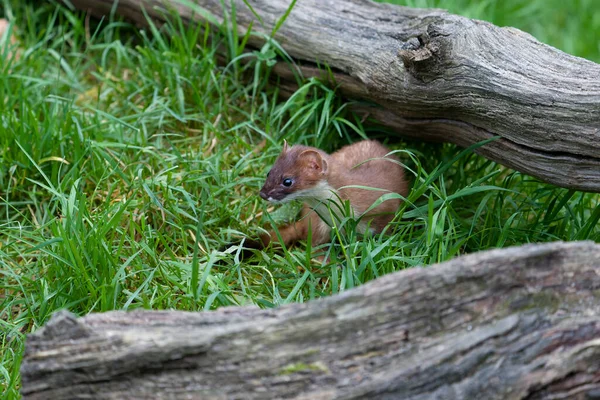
{"x":309,"y":174}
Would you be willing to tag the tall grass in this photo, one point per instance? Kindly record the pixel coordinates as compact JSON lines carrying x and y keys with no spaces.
{"x":129,"y":160}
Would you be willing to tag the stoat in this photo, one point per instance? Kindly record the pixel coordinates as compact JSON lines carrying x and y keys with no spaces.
{"x":321,"y":180}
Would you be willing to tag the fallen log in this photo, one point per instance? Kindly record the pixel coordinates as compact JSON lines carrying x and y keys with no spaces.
{"x":432,"y":75}
{"x":516,"y":323}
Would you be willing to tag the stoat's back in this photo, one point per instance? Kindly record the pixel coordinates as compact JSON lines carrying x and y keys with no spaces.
{"x":381,"y":170}
{"x":368,"y":164}
{"x":355,"y":153}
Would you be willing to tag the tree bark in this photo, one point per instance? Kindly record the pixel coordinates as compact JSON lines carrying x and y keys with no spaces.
{"x":516,"y":323}
{"x":431,"y":75}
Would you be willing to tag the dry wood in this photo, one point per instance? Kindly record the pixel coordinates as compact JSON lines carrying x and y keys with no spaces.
{"x":434,"y":76}
{"x":516,"y":323}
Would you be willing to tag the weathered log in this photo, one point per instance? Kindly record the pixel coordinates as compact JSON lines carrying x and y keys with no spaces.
{"x":516,"y":323}
{"x":435,"y":76}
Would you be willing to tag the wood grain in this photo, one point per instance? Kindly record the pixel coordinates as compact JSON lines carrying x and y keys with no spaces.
{"x":516,"y":323}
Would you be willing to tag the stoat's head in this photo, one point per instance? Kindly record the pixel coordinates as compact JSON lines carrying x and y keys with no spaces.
{"x":296,"y":174}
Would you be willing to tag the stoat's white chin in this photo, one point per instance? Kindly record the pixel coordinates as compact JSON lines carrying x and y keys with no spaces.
{"x":321,"y":191}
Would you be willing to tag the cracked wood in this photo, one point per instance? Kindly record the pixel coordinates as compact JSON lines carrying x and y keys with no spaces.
{"x":519,"y":323}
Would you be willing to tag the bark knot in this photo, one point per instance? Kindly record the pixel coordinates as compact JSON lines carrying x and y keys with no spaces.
{"x":421,"y":56}
{"x":414,"y":50}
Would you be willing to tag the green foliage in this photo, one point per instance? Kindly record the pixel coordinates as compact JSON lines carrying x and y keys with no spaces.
{"x":129,"y":160}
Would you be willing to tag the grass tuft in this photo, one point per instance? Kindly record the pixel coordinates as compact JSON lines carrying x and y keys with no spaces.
{"x":130,"y":159}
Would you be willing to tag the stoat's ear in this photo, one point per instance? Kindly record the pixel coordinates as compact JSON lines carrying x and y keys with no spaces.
{"x":313,"y":160}
{"x":285,"y":146}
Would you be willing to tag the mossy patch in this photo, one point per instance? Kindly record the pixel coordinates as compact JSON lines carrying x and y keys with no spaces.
{"x":302,"y":367}
{"x":542,"y":300}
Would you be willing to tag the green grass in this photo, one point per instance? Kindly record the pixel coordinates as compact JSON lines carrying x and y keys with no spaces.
{"x":128,"y":160}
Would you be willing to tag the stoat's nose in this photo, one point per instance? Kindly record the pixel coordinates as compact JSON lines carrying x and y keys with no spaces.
{"x":263,"y":195}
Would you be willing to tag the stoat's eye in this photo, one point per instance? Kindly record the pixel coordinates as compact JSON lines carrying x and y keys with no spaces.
{"x":287,"y":182}
{"x":268,"y":173}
